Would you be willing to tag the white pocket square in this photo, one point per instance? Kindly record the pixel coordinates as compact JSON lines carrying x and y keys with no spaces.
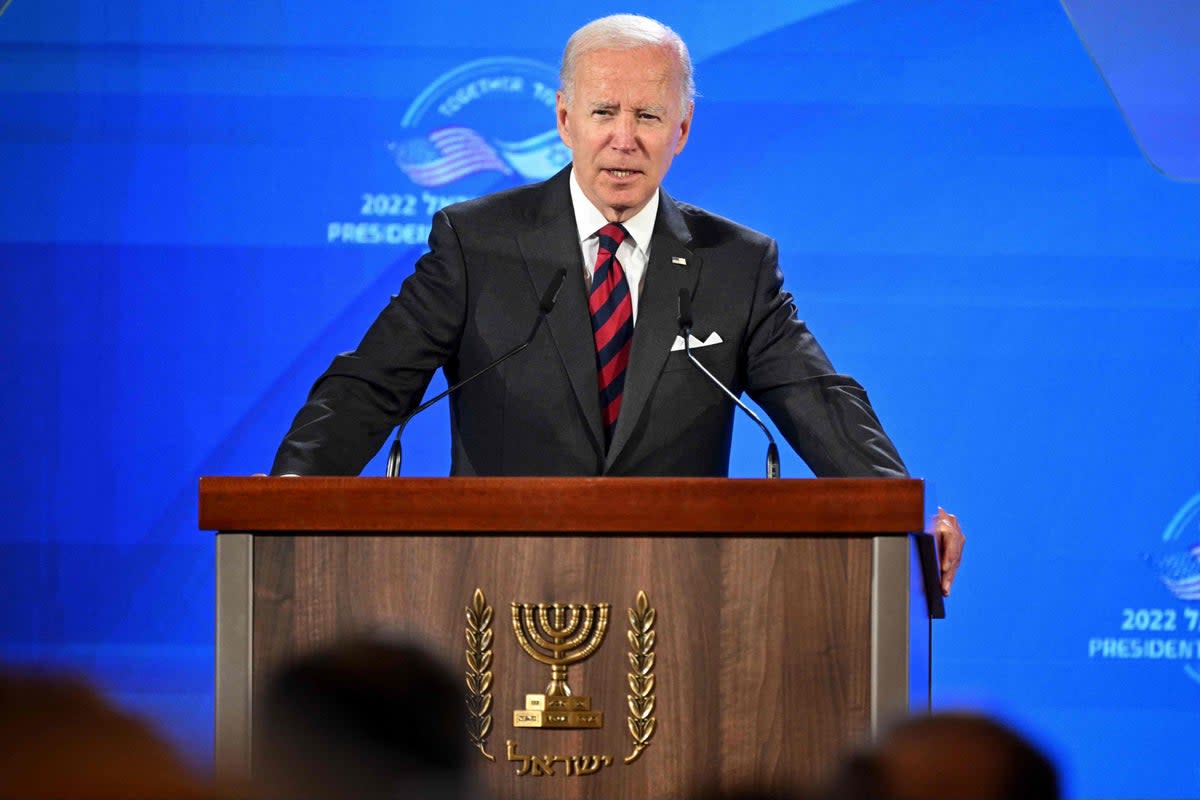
{"x":693,"y":342}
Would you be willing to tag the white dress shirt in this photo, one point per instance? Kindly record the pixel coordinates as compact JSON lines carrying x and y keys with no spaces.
{"x":634,"y":252}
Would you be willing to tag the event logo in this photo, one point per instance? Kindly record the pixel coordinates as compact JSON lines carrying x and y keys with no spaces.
{"x":1179,"y":569}
{"x":486,"y":117}
{"x":1157,"y":629}
{"x":481,"y":127}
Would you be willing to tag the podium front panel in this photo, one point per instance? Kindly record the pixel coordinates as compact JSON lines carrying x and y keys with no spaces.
{"x":767,"y":663}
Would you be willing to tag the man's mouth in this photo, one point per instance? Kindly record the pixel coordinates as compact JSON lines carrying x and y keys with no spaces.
{"x":621,"y":174}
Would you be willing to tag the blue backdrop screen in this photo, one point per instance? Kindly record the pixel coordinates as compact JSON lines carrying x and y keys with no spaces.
{"x":984,"y":211}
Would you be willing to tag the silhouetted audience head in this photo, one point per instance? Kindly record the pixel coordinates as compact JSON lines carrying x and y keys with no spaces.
{"x":955,"y":756}
{"x":755,"y":792}
{"x":366,"y":718}
{"x":60,"y":739}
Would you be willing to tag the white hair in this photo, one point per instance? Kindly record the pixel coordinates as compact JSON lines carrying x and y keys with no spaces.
{"x":626,"y":32}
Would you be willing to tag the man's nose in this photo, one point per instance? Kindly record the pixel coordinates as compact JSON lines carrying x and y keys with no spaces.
{"x":625,"y":134}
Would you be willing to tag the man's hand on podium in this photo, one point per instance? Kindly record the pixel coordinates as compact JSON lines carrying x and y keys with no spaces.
{"x":950,"y":540}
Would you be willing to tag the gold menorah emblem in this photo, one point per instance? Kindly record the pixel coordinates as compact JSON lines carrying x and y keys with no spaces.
{"x":559,"y":635}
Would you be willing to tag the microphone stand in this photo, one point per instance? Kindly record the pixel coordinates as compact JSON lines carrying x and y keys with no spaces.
{"x":395,"y":455}
{"x":685,"y":331}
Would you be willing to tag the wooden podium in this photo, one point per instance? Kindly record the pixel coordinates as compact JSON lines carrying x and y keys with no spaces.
{"x":756,"y":628}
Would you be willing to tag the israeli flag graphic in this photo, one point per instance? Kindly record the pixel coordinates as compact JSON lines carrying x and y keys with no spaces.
{"x":536,"y":158}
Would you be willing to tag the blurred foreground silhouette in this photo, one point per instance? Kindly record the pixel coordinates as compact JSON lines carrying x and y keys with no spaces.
{"x":950,"y":756}
{"x":60,"y":739}
{"x":362,"y":719}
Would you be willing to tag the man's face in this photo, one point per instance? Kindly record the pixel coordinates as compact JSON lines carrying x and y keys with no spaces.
{"x":623,"y":125}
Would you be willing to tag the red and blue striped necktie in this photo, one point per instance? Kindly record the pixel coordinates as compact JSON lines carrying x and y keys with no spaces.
{"x":612,"y":324}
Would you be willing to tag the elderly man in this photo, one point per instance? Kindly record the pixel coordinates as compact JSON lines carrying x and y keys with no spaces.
{"x":606,"y":390}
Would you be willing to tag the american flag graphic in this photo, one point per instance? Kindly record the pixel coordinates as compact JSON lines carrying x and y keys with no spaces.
{"x":446,"y":156}
{"x":1180,"y":573}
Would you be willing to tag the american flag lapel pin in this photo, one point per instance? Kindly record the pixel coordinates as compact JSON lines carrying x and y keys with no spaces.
{"x":679,"y":261}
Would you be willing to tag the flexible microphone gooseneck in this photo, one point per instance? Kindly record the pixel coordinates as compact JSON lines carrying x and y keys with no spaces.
{"x":685,"y":331}
{"x":545,"y":307}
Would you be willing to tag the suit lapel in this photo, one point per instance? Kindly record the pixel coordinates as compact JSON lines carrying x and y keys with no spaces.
{"x":553,"y":244}
{"x":658,"y":312}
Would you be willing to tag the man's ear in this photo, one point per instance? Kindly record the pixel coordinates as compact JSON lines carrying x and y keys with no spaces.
{"x":560,"y":110}
{"x":685,"y":127}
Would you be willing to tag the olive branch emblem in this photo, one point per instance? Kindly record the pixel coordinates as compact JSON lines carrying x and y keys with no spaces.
{"x":641,"y":677}
{"x":479,"y":672}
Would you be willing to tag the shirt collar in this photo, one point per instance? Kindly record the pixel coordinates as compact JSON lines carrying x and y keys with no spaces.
{"x":588,"y":218}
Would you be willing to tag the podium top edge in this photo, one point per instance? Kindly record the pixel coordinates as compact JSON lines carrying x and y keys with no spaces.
{"x":612,"y":505}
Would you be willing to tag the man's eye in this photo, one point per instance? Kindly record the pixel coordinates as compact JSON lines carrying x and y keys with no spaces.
{"x":647,"y":116}
{"x":602,"y":112}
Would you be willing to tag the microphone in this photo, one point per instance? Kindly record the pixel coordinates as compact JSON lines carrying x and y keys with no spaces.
{"x":685,"y":330}
{"x":549,"y":298}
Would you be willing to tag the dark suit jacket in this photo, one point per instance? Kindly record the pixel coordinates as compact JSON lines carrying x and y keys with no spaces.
{"x":475,"y":295}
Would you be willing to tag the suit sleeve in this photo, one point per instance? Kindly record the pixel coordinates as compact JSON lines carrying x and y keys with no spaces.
{"x":357,"y":402}
{"x":826,"y":417}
